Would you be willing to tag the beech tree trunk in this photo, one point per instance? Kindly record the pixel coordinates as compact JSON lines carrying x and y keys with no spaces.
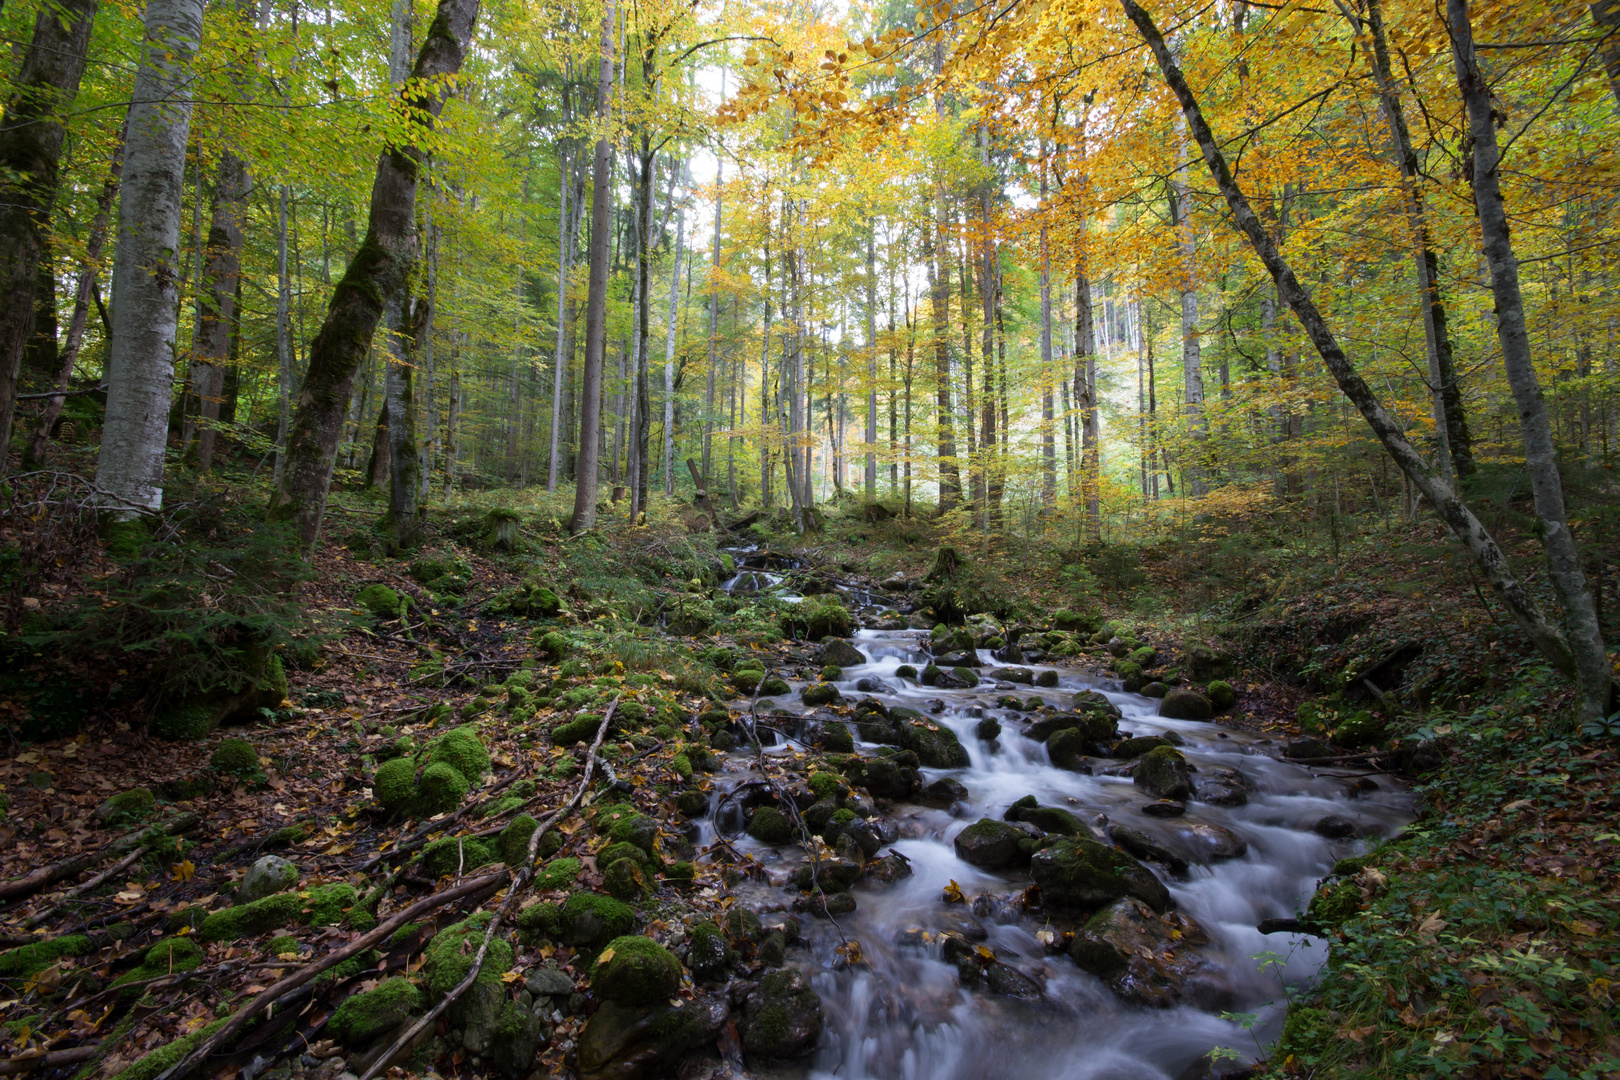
{"x":586,"y":477}
{"x":31,"y":136}
{"x":1192,"y":362}
{"x":669,"y":346}
{"x":871,"y":361}
{"x":1569,"y":582}
{"x":377,"y":271}
{"x":146,"y":266}
{"x":565,"y":251}
{"x":399,"y":355}
{"x":1048,"y":417}
{"x":1488,"y":556}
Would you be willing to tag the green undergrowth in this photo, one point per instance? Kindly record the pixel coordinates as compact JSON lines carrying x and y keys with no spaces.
{"x":1486,"y":940}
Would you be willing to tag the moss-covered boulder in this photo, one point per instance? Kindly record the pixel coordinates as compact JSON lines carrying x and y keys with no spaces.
{"x":1333,"y":905}
{"x":394,"y":784}
{"x":770,"y":826}
{"x":126,"y":808}
{"x":364,"y":1016}
{"x":557,"y":874}
{"x":990,"y":844}
{"x":1049,"y":819}
{"x":1162,"y":773}
{"x":1185,"y":705}
{"x":782,"y":1017}
{"x":1080,"y":874}
{"x":450,"y":955}
{"x":1221,"y":694}
{"x":622,"y":1042}
{"x":626,"y":879}
{"x":236,"y":758}
{"x":1070,"y":749}
{"x":708,"y":954}
{"x":167,"y":957}
{"x":885,"y":777}
{"x":589,"y":919}
{"x":379,"y":601}
{"x":441,"y":790}
{"x":462,"y":750}
{"x":455,"y":855}
{"x":821,"y":693}
{"x":1142,"y":955}
{"x":935,"y":745}
{"x":1137,"y":746}
{"x":513,"y":841}
{"x":581,"y":729}
{"x":635,"y":971}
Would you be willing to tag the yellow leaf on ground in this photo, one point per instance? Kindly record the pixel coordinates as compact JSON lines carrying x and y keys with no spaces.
{"x":184,"y":870}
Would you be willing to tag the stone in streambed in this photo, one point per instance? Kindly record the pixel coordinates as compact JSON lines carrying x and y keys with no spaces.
{"x":1146,"y":846}
{"x":1143,"y":956}
{"x":1077,"y":873}
{"x":1021,"y":675}
{"x":1162,"y":773}
{"x":892,"y":777}
{"x":840,"y":653}
{"x":1186,"y":705}
{"x":629,"y":1043}
{"x":1048,"y":819}
{"x":990,"y":844}
{"x":1070,"y":749}
{"x":1136,"y":747}
{"x":1213,"y":842}
{"x":820,"y":694}
{"x":942,"y":794}
{"x":1164,"y":808}
{"x":782,"y":1017}
{"x":977,"y":965}
{"x":935,"y":745}
{"x":1335,"y":827}
{"x":1222,"y":794}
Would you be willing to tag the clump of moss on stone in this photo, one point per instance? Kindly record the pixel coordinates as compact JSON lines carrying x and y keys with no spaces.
{"x":1334,"y":904}
{"x":557,"y":874}
{"x":455,"y":855}
{"x":362,"y":1017}
{"x":635,"y":971}
{"x":513,"y":841}
{"x":381,"y":601}
{"x":167,"y":957}
{"x":235,"y":757}
{"x":462,"y":750}
{"x":770,"y":826}
{"x":394,"y":784}
{"x":450,"y":955}
{"x":158,"y":1061}
{"x":440,"y":790}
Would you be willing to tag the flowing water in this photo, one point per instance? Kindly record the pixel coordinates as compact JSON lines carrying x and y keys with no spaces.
{"x":901,"y":1014}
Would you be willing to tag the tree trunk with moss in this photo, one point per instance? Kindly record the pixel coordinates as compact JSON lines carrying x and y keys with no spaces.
{"x":375,"y":274}
{"x":31,"y":136}
{"x":216,"y":324}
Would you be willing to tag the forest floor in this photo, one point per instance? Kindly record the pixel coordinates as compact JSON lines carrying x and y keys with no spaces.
{"x":1482,"y":943}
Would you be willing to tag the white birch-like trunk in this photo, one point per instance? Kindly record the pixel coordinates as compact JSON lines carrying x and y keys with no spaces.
{"x":146,"y":272}
{"x":669,"y":349}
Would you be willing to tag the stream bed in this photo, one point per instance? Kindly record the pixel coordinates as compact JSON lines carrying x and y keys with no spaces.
{"x":906,"y":1011}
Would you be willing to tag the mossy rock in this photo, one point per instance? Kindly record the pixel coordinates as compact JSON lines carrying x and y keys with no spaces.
{"x":235,"y":757}
{"x":455,"y":854}
{"x":513,"y":840}
{"x":379,"y":600}
{"x":581,"y":729}
{"x":440,"y":790}
{"x":1333,"y":905}
{"x":325,"y":905}
{"x":462,"y":750}
{"x":1221,"y":694}
{"x":746,"y":679}
{"x":589,"y":919}
{"x":770,"y":826}
{"x":1077,"y":873}
{"x":394,"y":784}
{"x":159,"y":1061}
{"x":626,"y":879}
{"x":286,"y":943}
{"x":635,"y":971}
{"x":364,"y":1016}
{"x":450,"y":955}
{"x":820,"y":693}
{"x":708,"y":953}
{"x":557,"y":874}
{"x":127,"y":807}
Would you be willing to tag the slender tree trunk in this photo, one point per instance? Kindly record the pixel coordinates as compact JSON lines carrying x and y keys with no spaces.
{"x":452,"y":428}
{"x":216,"y":293}
{"x":146,"y":271}
{"x":1048,"y":432}
{"x":871,"y":361}
{"x":378,"y":270}
{"x":1192,"y":364}
{"x":32,"y":131}
{"x":586,"y":467}
{"x":1569,"y":582}
{"x":669,"y":344}
{"x":284,"y":360}
{"x":714,"y":328}
{"x":1467,"y":528}
{"x":565,"y":251}
{"x":937,"y":256}
{"x":1606,"y":14}
{"x":80,"y":319}
{"x":427,"y":360}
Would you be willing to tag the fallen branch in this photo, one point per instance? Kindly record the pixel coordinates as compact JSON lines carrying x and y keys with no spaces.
{"x":54,"y":1059}
{"x":269,"y":996}
{"x":414,"y":840}
{"x":524,"y":876}
{"x":45,"y":876}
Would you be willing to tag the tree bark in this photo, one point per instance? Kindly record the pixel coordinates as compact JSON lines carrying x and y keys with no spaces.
{"x":669,"y":340}
{"x":1569,"y":582}
{"x":399,"y":322}
{"x":146,"y":270}
{"x":586,"y":479}
{"x":84,"y":285}
{"x":377,"y":271}
{"x":565,"y":253}
{"x":1048,"y":416}
{"x":31,"y":136}
{"x":216,"y":323}
{"x":1192,"y":363}
{"x":871,"y":361}
{"x":1452,"y":510}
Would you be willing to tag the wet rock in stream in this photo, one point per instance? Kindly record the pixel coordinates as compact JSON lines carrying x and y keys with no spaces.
{"x":1080,"y":874}
{"x":1143,"y":956}
{"x":991,"y":845}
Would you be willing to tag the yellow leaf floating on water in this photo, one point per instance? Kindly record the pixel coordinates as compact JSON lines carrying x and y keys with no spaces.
{"x":953,"y":893}
{"x":985,"y":953}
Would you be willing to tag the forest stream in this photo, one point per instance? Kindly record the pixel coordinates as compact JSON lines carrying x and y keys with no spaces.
{"x":903,"y":1012}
